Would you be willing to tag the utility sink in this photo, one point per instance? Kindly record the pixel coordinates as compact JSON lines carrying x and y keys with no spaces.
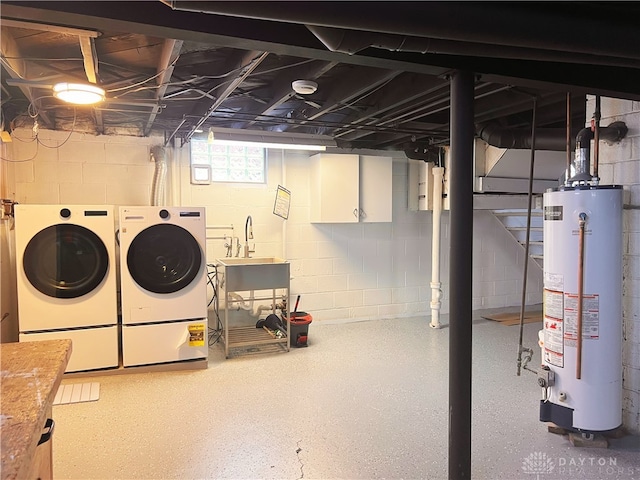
{"x":257,"y":273}
{"x":250,"y":261}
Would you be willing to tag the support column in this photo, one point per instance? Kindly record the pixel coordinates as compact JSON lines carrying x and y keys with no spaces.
{"x":460,"y":298}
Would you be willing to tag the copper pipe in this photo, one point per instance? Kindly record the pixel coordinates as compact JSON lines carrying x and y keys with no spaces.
{"x":568,"y":175}
{"x":596,"y":137}
{"x":581,"y":224}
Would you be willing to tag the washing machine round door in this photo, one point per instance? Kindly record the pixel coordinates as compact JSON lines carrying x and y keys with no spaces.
{"x":65,"y":261}
{"x":164,"y":258}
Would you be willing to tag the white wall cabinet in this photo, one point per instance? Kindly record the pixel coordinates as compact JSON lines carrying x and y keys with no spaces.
{"x":348,"y":188}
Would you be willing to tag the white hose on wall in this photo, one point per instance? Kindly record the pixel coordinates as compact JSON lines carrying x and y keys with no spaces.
{"x":159,"y":153}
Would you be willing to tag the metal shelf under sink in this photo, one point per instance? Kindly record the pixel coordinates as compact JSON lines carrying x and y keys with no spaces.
{"x":263,"y":277}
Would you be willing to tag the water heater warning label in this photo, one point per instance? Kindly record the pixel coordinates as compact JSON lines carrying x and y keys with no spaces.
{"x":196,"y":335}
{"x":553,"y":342}
{"x":553,"y":212}
{"x":590,"y":317}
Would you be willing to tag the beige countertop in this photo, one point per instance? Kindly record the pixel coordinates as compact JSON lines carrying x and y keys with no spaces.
{"x":30,"y":377}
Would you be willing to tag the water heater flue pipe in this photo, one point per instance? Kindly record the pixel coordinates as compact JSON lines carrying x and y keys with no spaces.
{"x":520,"y":138}
{"x":581,"y":165}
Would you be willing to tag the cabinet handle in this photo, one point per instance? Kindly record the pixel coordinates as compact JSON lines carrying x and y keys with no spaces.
{"x":48,"y":427}
{"x":362,"y":214}
{"x":355,"y":212}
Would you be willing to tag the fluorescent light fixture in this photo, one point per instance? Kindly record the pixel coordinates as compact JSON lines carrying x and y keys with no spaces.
{"x":78,"y":93}
{"x":271,"y":139}
{"x":285,"y":146}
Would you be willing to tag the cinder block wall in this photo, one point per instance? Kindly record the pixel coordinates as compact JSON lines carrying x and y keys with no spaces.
{"x":620,"y":164}
{"x":342,"y":272}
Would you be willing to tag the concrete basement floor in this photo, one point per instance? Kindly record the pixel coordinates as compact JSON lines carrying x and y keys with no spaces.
{"x":364,"y":400}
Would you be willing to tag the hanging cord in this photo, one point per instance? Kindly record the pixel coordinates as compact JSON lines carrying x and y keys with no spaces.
{"x":528,"y":352}
{"x":212,"y":279}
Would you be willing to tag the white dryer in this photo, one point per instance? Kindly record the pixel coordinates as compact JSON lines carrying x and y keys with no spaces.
{"x":66,"y":280}
{"x":163,"y":284}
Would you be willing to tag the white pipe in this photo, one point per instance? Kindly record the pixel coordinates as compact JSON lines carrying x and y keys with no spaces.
{"x":283,"y":169}
{"x":220,"y":227}
{"x":242,"y":302}
{"x":436,"y":290}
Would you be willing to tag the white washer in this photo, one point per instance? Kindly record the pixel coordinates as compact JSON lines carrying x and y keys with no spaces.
{"x":163,"y":284}
{"x":66,"y":280}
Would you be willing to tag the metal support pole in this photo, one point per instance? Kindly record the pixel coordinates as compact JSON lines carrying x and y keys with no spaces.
{"x":460,"y":303}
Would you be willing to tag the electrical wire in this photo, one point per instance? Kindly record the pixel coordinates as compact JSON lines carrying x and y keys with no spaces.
{"x":40,"y":142}
{"x":215,"y":334}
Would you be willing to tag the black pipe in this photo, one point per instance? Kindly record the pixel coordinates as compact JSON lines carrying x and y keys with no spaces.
{"x":461,"y":247}
{"x":596,"y":137}
{"x":569,"y":137}
{"x":514,"y":24}
{"x":353,"y":41}
{"x":520,"y":138}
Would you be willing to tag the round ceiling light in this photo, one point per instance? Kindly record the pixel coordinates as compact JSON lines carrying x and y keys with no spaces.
{"x":78,"y":93}
{"x":304,"y":87}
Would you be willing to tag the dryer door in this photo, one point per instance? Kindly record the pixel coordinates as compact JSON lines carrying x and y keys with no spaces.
{"x":65,"y":261}
{"x":164,"y":258}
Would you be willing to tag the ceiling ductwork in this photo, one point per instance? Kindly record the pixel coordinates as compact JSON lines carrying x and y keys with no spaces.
{"x":517,"y":25}
{"x":354,"y":41}
{"x":381,"y":69}
{"x":520,"y":138}
{"x":500,"y":41}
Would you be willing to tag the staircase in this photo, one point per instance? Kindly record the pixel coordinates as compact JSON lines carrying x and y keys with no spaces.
{"x":515,"y":221}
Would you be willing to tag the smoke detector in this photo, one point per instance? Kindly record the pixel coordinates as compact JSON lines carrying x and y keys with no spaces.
{"x":304,"y":87}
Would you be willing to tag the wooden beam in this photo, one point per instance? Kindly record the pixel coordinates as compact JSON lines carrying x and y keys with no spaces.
{"x":90,"y":58}
{"x":166,"y":64}
{"x":50,"y":28}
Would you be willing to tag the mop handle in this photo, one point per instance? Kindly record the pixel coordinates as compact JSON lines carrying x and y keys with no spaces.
{"x":295,"y":309}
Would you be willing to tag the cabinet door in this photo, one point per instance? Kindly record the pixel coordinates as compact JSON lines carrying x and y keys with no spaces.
{"x":376,"y":181}
{"x":334,"y":188}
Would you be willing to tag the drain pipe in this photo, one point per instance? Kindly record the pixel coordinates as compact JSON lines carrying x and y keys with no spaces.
{"x":158,"y":154}
{"x":436,"y":290}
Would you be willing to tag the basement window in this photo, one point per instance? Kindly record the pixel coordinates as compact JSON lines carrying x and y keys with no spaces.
{"x":227,"y":163}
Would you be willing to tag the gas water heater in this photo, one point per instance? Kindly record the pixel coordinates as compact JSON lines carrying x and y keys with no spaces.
{"x":581,"y":373}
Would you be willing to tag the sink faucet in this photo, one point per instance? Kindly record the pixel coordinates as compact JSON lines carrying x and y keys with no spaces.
{"x":248,"y":234}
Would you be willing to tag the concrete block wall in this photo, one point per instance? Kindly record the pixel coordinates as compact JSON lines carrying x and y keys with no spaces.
{"x":342,"y":271}
{"x":620,"y":164}
{"x":75,"y":168}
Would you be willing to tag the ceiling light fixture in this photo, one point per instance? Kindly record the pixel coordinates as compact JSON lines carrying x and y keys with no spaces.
{"x":78,"y":93}
{"x":210,"y":136}
{"x":304,"y":87}
{"x":284,"y":146}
